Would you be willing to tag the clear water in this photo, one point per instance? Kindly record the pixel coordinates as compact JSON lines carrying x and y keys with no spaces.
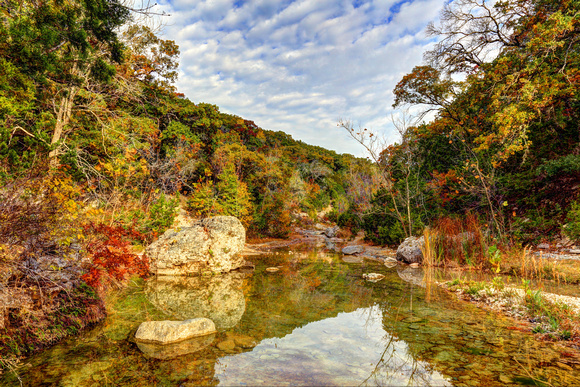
{"x":313,"y":322}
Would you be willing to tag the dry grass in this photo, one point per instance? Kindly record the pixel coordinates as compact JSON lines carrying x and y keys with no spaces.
{"x":455,"y":241}
{"x":431,"y":257}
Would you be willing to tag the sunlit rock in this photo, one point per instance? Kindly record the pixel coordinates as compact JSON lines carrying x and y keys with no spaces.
{"x":173,"y":350}
{"x":208,"y":245}
{"x":165,"y":332}
{"x":410,"y":250}
{"x":218,"y":297}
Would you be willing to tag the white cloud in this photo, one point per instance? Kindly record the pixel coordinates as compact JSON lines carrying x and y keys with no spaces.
{"x":299,"y":66}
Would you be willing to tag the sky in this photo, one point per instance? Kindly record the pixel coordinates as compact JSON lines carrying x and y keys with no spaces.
{"x":300,"y":66}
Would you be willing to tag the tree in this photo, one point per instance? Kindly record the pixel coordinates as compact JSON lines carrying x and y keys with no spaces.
{"x":472,"y":32}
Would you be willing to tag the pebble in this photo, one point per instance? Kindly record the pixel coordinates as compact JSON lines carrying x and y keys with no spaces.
{"x":227,"y":345}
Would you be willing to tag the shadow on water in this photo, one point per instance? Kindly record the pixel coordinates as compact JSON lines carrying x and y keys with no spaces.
{"x":313,"y":322}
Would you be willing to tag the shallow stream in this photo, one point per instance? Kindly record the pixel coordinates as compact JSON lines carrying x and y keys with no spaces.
{"x":313,"y":322}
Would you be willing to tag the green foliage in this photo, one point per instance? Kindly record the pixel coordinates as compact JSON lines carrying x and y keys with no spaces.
{"x":568,"y":164}
{"x":162,"y":212}
{"x":572,"y":226}
{"x":228,"y":196}
{"x":350,"y":219}
{"x":273,"y":216}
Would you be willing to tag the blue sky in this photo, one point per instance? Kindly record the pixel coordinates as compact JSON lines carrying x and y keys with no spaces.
{"x":300,"y":66}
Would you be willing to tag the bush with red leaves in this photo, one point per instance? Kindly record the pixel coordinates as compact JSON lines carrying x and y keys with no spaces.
{"x":111,"y":257}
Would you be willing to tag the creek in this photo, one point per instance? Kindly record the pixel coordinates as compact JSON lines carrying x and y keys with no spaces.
{"x":315,"y":321}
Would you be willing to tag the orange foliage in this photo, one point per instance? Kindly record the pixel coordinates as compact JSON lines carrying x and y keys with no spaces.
{"x":111,"y":258}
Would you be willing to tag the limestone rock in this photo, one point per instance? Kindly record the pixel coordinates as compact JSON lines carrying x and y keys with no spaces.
{"x":218,"y":297}
{"x":410,"y":250}
{"x":373,"y":277}
{"x":349,"y":250}
{"x":331,"y":231}
{"x":165,"y":332}
{"x":209,"y":245}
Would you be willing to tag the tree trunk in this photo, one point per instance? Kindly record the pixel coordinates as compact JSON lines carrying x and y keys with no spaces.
{"x":62,"y":119}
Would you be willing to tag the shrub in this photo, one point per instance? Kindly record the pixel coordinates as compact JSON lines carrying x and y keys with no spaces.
{"x":460,"y":239}
{"x":382,"y":229}
{"x":572,"y":226}
{"x":111,"y":258}
{"x":161,"y":214}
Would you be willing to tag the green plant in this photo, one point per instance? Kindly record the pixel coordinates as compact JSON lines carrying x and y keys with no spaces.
{"x":494,"y":255}
{"x":572,"y":226}
{"x":473,"y":288}
{"x":161,"y":214}
{"x":498,"y":283}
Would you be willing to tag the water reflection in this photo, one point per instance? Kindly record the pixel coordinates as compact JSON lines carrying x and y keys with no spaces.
{"x":349,"y":349}
{"x":218,"y":297}
{"x":173,"y":350}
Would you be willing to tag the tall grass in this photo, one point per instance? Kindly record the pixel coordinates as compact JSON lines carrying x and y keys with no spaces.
{"x":454,"y":240}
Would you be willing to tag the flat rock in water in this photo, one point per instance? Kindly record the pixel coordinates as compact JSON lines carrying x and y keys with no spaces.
{"x":574,"y":251}
{"x":349,"y":250}
{"x":373,"y":277}
{"x":243,"y":341}
{"x":272,"y":269}
{"x":164,"y":332}
{"x":390,"y":262}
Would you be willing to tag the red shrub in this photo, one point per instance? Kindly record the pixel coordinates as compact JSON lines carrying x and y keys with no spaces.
{"x":111,"y":257}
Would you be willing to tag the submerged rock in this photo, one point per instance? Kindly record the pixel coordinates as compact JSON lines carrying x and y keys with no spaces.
{"x":173,"y":350}
{"x":373,"y":277}
{"x":208,"y":245}
{"x":410,"y":250}
{"x":218,"y":297}
{"x":352,"y":259}
{"x":164,"y":332}
{"x":349,"y":250}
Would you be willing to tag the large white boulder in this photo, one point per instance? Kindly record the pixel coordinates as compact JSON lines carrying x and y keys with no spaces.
{"x":208,"y":246}
{"x":165,"y":332}
{"x":410,"y":250}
